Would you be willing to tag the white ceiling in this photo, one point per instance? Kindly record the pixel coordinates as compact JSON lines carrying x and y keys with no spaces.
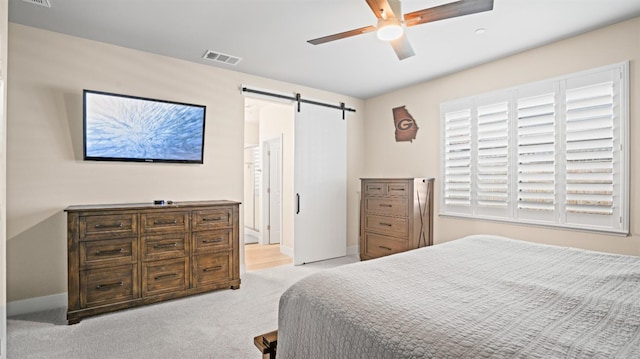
{"x":270,"y":35}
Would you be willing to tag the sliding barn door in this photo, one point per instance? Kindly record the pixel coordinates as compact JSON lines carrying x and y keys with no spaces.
{"x":320,"y":182}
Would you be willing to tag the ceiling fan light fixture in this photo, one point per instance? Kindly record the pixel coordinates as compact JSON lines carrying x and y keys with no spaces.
{"x":389,"y":30}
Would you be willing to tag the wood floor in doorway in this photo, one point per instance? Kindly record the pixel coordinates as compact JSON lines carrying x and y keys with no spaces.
{"x":258,"y":256}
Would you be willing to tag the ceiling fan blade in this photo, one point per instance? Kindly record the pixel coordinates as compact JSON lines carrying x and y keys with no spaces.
{"x":342,"y":35}
{"x":396,"y":8}
{"x":402,"y":47}
{"x":383,"y":10}
{"x":446,"y":11}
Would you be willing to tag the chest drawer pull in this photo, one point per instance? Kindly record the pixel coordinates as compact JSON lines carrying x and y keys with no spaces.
{"x":396,"y":189}
{"x":119,"y":225}
{"x":166,"y":276}
{"x":170,"y":245}
{"x":205,"y":219}
{"x":156,"y":222}
{"x":385,"y":248}
{"x":109,"y":286}
{"x":211,"y":269}
{"x":386,"y":224}
{"x":110,"y":252}
{"x":215,"y":240}
{"x":386,"y":205}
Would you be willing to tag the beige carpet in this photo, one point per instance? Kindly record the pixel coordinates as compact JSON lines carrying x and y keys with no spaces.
{"x":220,"y":324}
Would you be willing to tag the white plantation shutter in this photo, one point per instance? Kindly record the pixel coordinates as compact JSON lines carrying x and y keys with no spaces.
{"x":594,"y":160}
{"x":589,"y":149}
{"x":536,"y":155}
{"x":550,"y":153}
{"x":457,"y":148}
{"x":492,"y":160}
{"x":257,"y":168}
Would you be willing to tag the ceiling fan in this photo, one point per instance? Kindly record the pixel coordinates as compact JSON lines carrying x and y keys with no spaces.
{"x":391,"y":22}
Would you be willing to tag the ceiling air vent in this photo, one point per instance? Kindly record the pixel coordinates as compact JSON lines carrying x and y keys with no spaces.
{"x":44,"y":3}
{"x":220,"y":57}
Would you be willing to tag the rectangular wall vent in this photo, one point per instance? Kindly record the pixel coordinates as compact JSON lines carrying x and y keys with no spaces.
{"x":44,"y":3}
{"x":220,"y":57}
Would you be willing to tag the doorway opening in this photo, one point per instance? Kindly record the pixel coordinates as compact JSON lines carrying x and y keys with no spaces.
{"x":268,"y":184}
{"x":306,"y":164}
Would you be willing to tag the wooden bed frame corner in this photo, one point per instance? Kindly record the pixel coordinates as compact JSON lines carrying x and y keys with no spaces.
{"x":267,"y":344}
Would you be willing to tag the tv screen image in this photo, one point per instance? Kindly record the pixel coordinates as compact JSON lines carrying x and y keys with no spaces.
{"x":128,"y":128}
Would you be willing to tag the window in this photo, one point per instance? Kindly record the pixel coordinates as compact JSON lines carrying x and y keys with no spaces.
{"x":550,"y":153}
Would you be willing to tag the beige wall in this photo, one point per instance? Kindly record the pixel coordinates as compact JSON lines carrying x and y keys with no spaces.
{"x":251,"y":132}
{"x":45,"y":171}
{"x":385,"y":157}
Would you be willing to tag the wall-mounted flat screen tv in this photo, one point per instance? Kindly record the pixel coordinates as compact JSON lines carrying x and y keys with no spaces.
{"x":129,"y":128}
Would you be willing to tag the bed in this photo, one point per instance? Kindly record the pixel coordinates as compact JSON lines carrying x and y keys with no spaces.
{"x":477,"y":297}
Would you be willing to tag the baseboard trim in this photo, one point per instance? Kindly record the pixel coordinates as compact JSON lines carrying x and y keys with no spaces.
{"x":353,"y":250}
{"x":36,"y":304}
{"x":286,"y":250}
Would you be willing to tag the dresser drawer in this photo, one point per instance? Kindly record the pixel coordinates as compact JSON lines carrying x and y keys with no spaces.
{"x":164,"y":276}
{"x":376,"y":245}
{"x":165,"y":246}
{"x":209,"y":269}
{"x":104,"y":286}
{"x":108,"y":252}
{"x":209,"y":241}
{"x":212,"y":218}
{"x":393,"y":226}
{"x":164,"y":222}
{"x":386,"y":206}
{"x":399,"y":189}
{"x":375,"y":188}
{"x":108,"y":226}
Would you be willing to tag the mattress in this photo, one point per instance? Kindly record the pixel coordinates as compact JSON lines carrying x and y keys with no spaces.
{"x":477,"y":297}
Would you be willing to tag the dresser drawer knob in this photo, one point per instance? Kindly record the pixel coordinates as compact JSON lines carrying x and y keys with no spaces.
{"x":156,"y":222}
{"x":211,"y":269}
{"x":170,"y":245}
{"x":166,"y":276}
{"x":385,"y":248}
{"x":386,"y":205}
{"x":110,"y":252}
{"x":119,"y":225}
{"x":109,"y":286}
{"x":386,"y":224}
{"x":215,"y":240}
{"x":205,"y":219}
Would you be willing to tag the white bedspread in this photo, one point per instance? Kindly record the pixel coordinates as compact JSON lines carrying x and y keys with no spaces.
{"x":476,"y":297}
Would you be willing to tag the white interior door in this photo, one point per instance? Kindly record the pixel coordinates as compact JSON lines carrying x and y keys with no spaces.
{"x":320,"y":185}
{"x":274,"y":189}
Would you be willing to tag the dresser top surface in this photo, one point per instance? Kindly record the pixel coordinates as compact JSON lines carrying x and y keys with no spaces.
{"x":184,"y":204}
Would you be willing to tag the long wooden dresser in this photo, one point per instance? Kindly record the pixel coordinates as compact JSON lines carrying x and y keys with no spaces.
{"x":396,"y":215}
{"x":126,"y":255}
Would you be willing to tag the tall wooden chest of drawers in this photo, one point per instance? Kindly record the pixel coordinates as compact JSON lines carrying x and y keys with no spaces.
{"x":396,"y":215}
{"x":122,"y":256}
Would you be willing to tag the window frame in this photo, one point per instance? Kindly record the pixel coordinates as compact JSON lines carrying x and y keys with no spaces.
{"x":617,"y":223}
